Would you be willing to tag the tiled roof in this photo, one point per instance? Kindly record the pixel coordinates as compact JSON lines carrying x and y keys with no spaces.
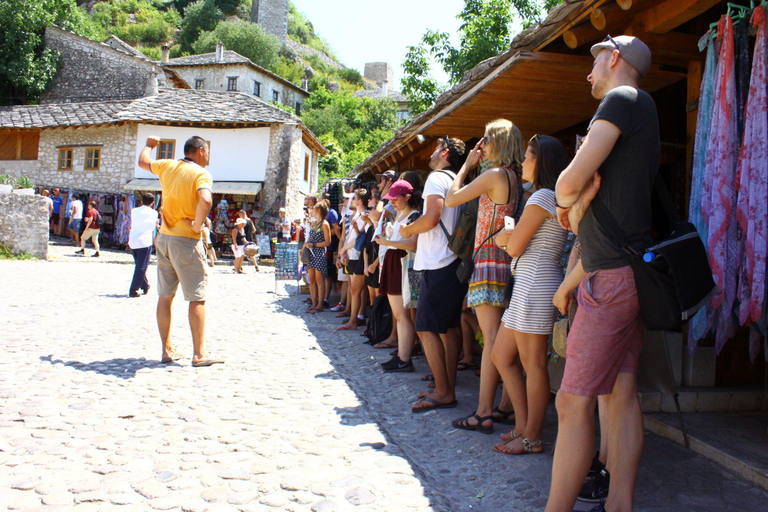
{"x":60,"y":114}
{"x":228,"y":57}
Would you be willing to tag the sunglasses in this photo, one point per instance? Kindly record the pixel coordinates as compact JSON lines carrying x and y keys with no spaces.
{"x":613,"y":42}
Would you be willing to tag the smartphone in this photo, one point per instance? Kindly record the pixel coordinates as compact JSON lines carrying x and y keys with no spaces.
{"x":509,"y":222}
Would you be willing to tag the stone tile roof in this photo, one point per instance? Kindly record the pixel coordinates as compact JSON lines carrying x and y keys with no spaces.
{"x":391,"y":94}
{"x":61,"y":114}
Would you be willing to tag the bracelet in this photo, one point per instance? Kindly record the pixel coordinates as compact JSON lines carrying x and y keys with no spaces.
{"x":560,"y":206}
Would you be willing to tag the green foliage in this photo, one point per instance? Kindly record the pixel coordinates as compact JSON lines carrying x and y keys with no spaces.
{"x":137,"y":22}
{"x":7,"y":179}
{"x":350,"y":75}
{"x":354,"y":127}
{"x":24,"y":182}
{"x":291,"y":71}
{"x":200,"y":16}
{"x":26,"y":65}
{"x":485,"y":32}
{"x":301,"y":30}
{"x":247,"y":39}
{"x":6,"y":253}
{"x":153,"y":52}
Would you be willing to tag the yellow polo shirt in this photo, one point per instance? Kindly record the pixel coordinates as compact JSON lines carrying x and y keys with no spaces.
{"x":180,"y":181}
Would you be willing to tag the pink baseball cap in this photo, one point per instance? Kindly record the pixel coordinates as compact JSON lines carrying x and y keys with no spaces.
{"x":399,"y":188}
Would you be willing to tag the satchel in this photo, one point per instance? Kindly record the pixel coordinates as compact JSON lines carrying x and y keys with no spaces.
{"x":306,"y":256}
{"x":510,"y":285}
{"x":251,"y":249}
{"x":672,"y":276}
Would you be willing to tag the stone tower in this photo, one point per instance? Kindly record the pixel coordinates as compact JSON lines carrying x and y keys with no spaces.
{"x":379,"y":72}
{"x":272,"y":15}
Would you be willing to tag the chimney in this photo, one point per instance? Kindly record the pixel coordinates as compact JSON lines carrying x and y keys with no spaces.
{"x":305,"y":84}
{"x":384,"y":88}
{"x":166,"y":51}
{"x":219,"y":51}
{"x":152,"y":87}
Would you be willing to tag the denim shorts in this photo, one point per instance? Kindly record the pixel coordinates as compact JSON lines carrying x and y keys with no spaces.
{"x":74,"y":225}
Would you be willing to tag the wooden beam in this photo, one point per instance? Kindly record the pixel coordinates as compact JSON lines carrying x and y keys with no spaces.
{"x":597,"y":17}
{"x":18,"y":146}
{"x":624,"y":4}
{"x":587,"y":9}
{"x":409,"y":146}
{"x":670,"y":14}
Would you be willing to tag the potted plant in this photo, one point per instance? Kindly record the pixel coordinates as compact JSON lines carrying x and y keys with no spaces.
{"x":24,"y":186}
{"x":6,"y":183}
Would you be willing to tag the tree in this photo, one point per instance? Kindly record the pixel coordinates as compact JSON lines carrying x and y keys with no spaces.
{"x":27,"y":67}
{"x":200,"y":16}
{"x":485,"y":32}
{"x":247,"y":39}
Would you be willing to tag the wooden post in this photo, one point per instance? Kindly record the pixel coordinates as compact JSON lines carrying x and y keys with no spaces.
{"x":18,"y":146}
{"x":695,"y":71}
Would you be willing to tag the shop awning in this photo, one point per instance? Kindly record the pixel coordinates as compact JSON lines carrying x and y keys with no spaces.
{"x":245,"y":188}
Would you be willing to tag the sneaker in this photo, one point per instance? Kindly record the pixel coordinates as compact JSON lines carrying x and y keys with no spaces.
{"x":595,"y":487}
{"x":146,"y":290}
{"x":134,"y":294}
{"x":81,"y":251}
{"x":399,"y":366}
{"x":338,"y":307}
{"x":97,"y":255}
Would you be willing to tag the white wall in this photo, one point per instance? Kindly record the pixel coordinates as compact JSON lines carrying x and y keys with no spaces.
{"x":236,"y":154}
{"x":305,"y":186}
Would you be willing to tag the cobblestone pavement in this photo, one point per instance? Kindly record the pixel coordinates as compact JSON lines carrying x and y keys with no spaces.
{"x":299,"y":418}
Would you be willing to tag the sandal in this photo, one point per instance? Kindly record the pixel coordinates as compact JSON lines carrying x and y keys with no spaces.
{"x":503,"y":417}
{"x":384,"y":345}
{"x":528,"y":447}
{"x":466,"y":366}
{"x":463,"y":423}
{"x":428,"y":377}
{"x":509,"y":436}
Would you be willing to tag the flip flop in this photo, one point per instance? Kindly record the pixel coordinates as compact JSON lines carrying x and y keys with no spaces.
{"x":428,"y":377}
{"x":341,"y":315}
{"x":208,"y":361}
{"x":466,"y":366}
{"x":435,"y":405}
{"x":345,"y":327}
{"x":175,"y":356}
{"x":384,"y":345}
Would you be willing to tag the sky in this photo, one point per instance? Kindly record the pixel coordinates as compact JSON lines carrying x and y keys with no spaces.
{"x":361,"y":31}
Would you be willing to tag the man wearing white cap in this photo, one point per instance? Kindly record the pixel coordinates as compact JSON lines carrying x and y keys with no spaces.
{"x":613,"y":171}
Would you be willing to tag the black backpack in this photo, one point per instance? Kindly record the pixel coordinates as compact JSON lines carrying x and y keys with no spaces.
{"x":379,"y":321}
{"x":214,"y":238}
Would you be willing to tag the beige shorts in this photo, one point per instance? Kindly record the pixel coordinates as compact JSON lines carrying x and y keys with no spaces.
{"x":90,"y":233}
{"x":181,"y":260}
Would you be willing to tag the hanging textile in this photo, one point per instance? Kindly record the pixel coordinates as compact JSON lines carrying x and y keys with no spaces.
{"x":718,"y":196}
{"x":741,"y":50}
{"x":752,"y":183}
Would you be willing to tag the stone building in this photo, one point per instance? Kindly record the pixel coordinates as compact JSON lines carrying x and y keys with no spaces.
{"x":380,"y":78}
{"x":272,"y":15}
{"x":225,"y":70}
{"x":256,"y":149}
{"x":379,"y":73}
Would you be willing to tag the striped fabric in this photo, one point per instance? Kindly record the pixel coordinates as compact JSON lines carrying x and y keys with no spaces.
{"x":538,"y":274}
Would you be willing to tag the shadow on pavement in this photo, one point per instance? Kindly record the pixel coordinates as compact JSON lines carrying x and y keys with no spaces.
{"x":124,"y":368}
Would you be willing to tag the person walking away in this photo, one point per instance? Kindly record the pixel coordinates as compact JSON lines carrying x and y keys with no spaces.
{"x":319,"y":238}
{"x":250,"y":236}
{"x":180,"y":253}
{"x":537,"y":243}
{"x":402,"y":196}
{"x":209,"y":250}
{"x":500,"y":194}
{"x":438,"y":313}
{"x":143,"y":222}
{"x":238,"y":245}
{"x":92,"y":229}
{"x":622,"y":146}
{"x":76,"y":218}
{"x":57,"y":201}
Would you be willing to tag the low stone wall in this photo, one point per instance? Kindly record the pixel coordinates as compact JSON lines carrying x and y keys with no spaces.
{"x":24,"y":224}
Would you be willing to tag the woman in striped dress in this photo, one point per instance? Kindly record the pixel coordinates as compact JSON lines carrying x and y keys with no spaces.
{"x":536,"y":244}
{"x":500,"y":195}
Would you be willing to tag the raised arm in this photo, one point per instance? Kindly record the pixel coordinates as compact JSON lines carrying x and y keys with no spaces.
{"x":145,"y":158}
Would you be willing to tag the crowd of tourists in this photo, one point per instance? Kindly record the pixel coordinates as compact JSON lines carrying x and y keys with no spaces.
{"x":403,"y":240}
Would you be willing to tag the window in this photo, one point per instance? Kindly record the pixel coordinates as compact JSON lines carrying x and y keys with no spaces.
{"x":257,"y":88}
{"x":19,"y":145}
{"x":306,"y":168}
{"x":275,"y":96}
{"x":166,"y":150}
{"x":65,"y":159}
{"x":298,"y":108}
{"x":92,"y":159}
{"x":232,"y":83}
{"x":200,"y":84}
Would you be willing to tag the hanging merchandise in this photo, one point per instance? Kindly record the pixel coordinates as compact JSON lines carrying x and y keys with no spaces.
{"x":752,"y":185}
{"x":718,"y":196}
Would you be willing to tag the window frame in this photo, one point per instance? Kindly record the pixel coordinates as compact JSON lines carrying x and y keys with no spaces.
{"x":298,"y":108}
{"x":85,"y":160}
{"x":200,"y":84}
{"x":307,"y":162}
{"x":275,"y":96}
{"x":257,"y":88}
{"x":232,"y":81}
{"x":71,"y":159}
{"x":161,"y":153}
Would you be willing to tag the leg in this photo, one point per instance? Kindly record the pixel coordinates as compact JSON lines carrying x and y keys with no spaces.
{"x":406,"y":335}
{"x":533,"y":354}
{"x":573,"y":452}
{"x":602,"y":415}
{"x":625,"y":441}
{"x":312,"y":287}
{"x":197,"y":326}
{"x":467,"y":338}
{"x":452,"y":345}
{"x":356,"y":285}
{"x":95,"y":240}
{"x":139,"y":271}
{"x":320,"y":278}
{"x":489,"y":318}
{"x":164,"y":303}
{"x":504,"y":357}
{"x":144,"y":264}
{"x":435,"y":352}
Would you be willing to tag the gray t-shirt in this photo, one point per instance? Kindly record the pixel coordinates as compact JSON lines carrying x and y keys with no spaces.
{"x":627,"y":178}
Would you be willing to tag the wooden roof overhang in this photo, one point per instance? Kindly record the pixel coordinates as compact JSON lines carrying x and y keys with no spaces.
{"x":539,"y":92}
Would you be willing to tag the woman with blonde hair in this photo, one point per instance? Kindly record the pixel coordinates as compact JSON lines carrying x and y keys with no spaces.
{"x":500,"y":193}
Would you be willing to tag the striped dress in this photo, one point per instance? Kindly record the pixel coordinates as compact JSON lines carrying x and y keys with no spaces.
{"x":486,"y":288}
{"x":538,"y":274}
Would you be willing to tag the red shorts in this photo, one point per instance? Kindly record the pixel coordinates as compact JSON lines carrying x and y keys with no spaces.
{"x":607,"y":333}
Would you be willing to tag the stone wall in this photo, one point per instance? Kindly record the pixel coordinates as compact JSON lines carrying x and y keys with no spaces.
{"x":215,"y":79}
{"x":284,"y":166}
{"x":24,"y":224}
{"x":93,"y":71}
{"x":378,"y":72}
{"x":118,"y":150}
{"x":272,"y":15}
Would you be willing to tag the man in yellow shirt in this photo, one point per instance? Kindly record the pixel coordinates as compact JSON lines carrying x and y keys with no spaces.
{"x":186,"y":188}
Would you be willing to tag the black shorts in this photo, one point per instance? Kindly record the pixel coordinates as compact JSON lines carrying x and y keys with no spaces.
{"x":55,"y":218}
{"x":441,"y":297}
{"x":356,"y":267}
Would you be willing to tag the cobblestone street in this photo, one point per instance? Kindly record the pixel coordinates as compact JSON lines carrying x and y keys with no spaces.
{"x":299,"y":418}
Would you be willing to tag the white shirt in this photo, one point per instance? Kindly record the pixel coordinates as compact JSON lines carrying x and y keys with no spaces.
{"x":77,"y":210}
{"x":143,"y":223}
{"x":285,"y":226}
{"x":432,"y":250}
{"x":352,"y":235}
{"x":49,"y":202}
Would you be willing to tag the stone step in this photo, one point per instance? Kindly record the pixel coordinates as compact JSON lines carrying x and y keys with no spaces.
{"x":704,"y":400}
